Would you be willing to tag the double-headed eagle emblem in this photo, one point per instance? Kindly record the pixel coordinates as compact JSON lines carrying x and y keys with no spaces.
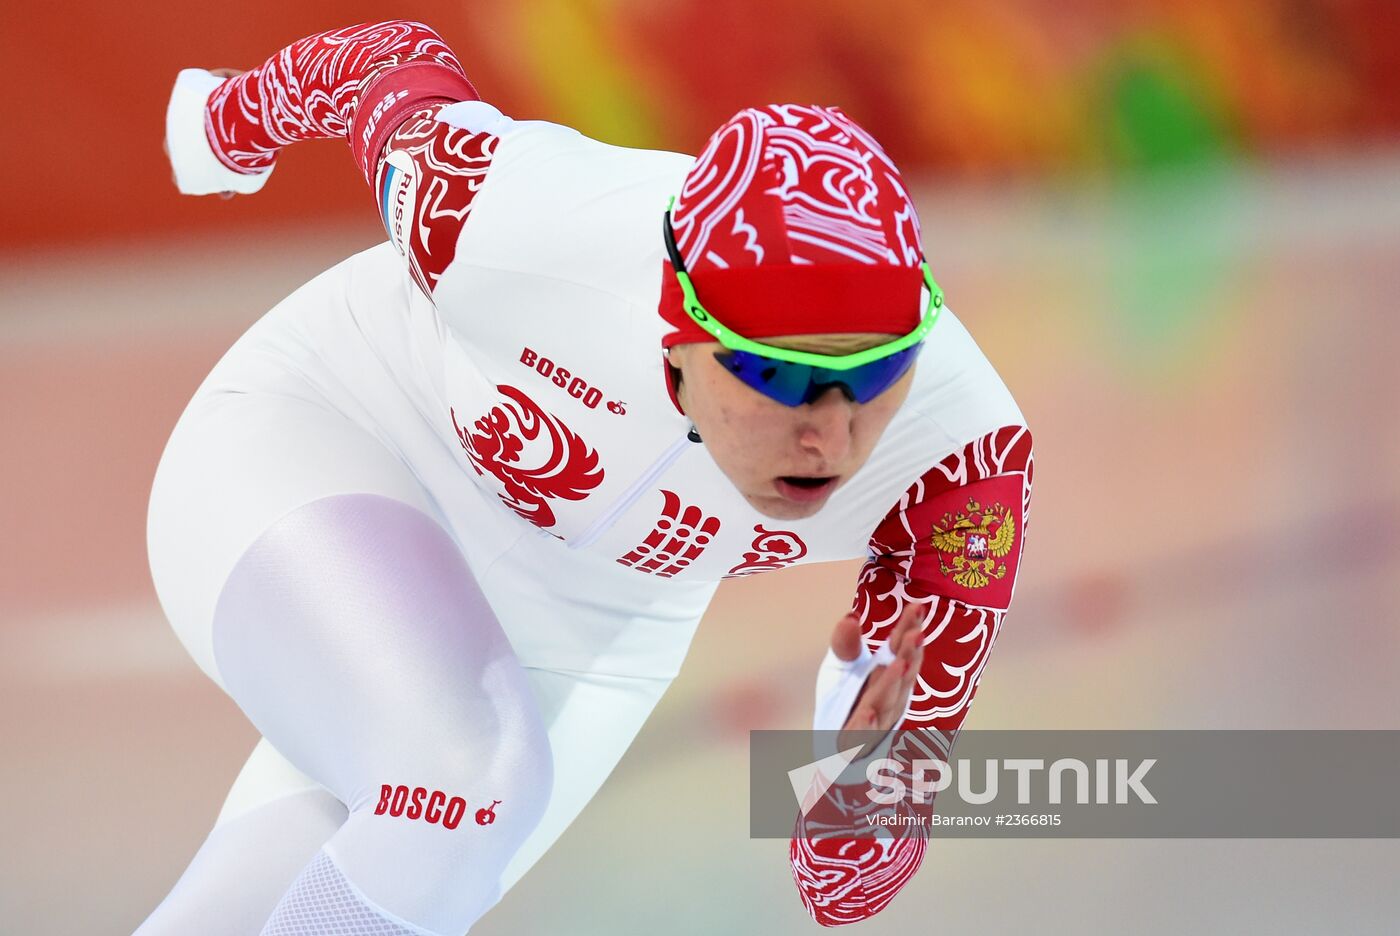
{"x":975,"y":543}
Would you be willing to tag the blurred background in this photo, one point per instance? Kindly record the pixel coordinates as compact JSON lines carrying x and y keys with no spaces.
{"x":1173,"y":226}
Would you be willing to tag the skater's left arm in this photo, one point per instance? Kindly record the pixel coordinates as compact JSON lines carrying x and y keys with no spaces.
{"x":943,"y":562}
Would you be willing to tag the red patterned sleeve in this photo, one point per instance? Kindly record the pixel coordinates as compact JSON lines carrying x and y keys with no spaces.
{"x":379,"y":87}
{"x":952,"y":545}
{"x":346,"y":83}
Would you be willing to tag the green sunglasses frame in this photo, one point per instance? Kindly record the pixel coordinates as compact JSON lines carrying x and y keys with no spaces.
{"x":736,"y":342}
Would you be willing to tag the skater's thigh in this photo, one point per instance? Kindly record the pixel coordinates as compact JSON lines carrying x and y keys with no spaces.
{"x":236,"y":462}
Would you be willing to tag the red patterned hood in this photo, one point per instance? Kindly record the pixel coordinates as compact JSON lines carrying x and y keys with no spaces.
{"x":795,"y":221}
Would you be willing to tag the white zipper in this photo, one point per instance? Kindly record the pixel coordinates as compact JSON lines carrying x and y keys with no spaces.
{"x":629,"y":497}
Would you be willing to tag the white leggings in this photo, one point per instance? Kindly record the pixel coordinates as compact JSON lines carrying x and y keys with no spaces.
{"x":377,"y":619}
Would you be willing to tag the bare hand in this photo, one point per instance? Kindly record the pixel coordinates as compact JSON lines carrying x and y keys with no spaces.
{"x":885,"y":696}
{"x":165,"y":145}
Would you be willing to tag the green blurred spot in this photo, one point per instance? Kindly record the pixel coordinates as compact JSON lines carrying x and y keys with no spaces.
{"x":1178,"y":215}
{"x":1159,"y":111}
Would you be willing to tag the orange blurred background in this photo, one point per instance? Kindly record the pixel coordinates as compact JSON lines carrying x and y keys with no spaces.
{"x":969,"y":89}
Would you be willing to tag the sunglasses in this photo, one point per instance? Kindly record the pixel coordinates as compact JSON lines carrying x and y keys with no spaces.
{"x":797,"y":377}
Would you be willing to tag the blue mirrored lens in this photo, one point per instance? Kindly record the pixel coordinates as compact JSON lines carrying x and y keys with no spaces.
{"x":794,"y":384}
{"x":784,"y":381}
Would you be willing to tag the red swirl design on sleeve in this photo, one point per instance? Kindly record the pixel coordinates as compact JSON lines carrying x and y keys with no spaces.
{"x":447,"y":167}
{"x":380,"y":86}
{"x":915,"y":553}
{"x":311,"y":90}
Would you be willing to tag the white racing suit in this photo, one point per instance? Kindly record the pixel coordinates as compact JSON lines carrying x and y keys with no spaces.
{"x":436,"y":525}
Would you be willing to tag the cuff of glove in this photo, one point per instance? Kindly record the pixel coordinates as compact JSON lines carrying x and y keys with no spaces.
{"x":197,"y":170}
{"x":839,"y":683}
{"x":475,"y":117}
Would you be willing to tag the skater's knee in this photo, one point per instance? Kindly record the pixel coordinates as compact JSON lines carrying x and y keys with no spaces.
{"x":470,"y":774}
{"x":433,"y":836}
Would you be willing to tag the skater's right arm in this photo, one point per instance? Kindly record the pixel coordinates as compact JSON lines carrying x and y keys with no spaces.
{"x":379,"y":87}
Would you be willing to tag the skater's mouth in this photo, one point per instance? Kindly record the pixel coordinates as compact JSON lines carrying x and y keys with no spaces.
{"x":805,"y":489}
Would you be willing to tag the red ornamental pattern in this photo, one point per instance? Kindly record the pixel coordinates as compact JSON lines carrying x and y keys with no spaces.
{"x":959,"y":625}
{"x":446,"y":168}
{"x":839,"y":198}
{"x":311,"y":90}
{"x":533,"y":454}
{"x":845,"y":879}
{"x":677,"y":539}
{"x":840,"y":879}
{"x":769,"y":551}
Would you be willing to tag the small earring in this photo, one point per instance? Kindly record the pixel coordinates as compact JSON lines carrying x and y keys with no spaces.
{"x":693,"y":435}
